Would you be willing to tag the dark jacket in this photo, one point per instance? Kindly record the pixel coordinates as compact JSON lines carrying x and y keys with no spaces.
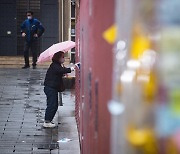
{"x":54,"y":76}
{"x":31,"y":27}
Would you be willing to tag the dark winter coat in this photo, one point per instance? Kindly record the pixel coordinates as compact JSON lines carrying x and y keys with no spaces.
{"x":54,"y":76}
{"x":31,"y":27}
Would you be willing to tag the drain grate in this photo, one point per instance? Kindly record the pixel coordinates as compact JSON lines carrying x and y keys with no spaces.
{"x":51,"y":146}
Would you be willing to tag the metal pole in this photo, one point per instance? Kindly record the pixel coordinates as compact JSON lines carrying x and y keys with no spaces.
{"x":60,"y":99}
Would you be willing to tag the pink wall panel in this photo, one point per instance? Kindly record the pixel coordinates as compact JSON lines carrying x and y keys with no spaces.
{"x":94,"y":89}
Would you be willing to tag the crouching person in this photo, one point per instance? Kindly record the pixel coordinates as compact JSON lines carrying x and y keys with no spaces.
{"x":52,"y":85}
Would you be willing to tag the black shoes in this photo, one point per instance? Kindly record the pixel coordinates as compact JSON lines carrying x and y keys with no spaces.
{"x":25,"y":66}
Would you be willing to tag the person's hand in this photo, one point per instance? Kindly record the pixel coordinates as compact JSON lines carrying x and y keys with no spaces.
{"x":35,"y":35}
{"x":72,"y":69}
{"x":23,"y":34}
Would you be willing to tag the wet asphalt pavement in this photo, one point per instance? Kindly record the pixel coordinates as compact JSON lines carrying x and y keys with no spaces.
{"x":22,"y":107}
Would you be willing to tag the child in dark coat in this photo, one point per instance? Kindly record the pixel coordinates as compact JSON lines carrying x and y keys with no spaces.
{"x":52,"y":85}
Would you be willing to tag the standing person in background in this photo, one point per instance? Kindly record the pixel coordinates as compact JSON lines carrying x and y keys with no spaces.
{"x":31,"y":30}
{"x":52,"y":85}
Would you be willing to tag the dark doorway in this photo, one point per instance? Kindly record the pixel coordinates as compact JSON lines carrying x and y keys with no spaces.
{"x":22,"y":7}
{"x":8,"y":28}
{"x":13,"y":13}
{"x":49,"y":18}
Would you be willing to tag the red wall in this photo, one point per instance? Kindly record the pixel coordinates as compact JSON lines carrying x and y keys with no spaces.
{"x":93,"y":83}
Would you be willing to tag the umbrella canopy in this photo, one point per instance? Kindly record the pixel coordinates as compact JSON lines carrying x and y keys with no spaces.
{"x":48,"y":53}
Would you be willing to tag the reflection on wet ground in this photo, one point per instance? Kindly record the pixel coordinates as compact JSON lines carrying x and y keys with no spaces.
{"x":22,"y":107}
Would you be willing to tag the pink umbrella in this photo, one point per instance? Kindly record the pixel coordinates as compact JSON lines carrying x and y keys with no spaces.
{"x":48,"y":53}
